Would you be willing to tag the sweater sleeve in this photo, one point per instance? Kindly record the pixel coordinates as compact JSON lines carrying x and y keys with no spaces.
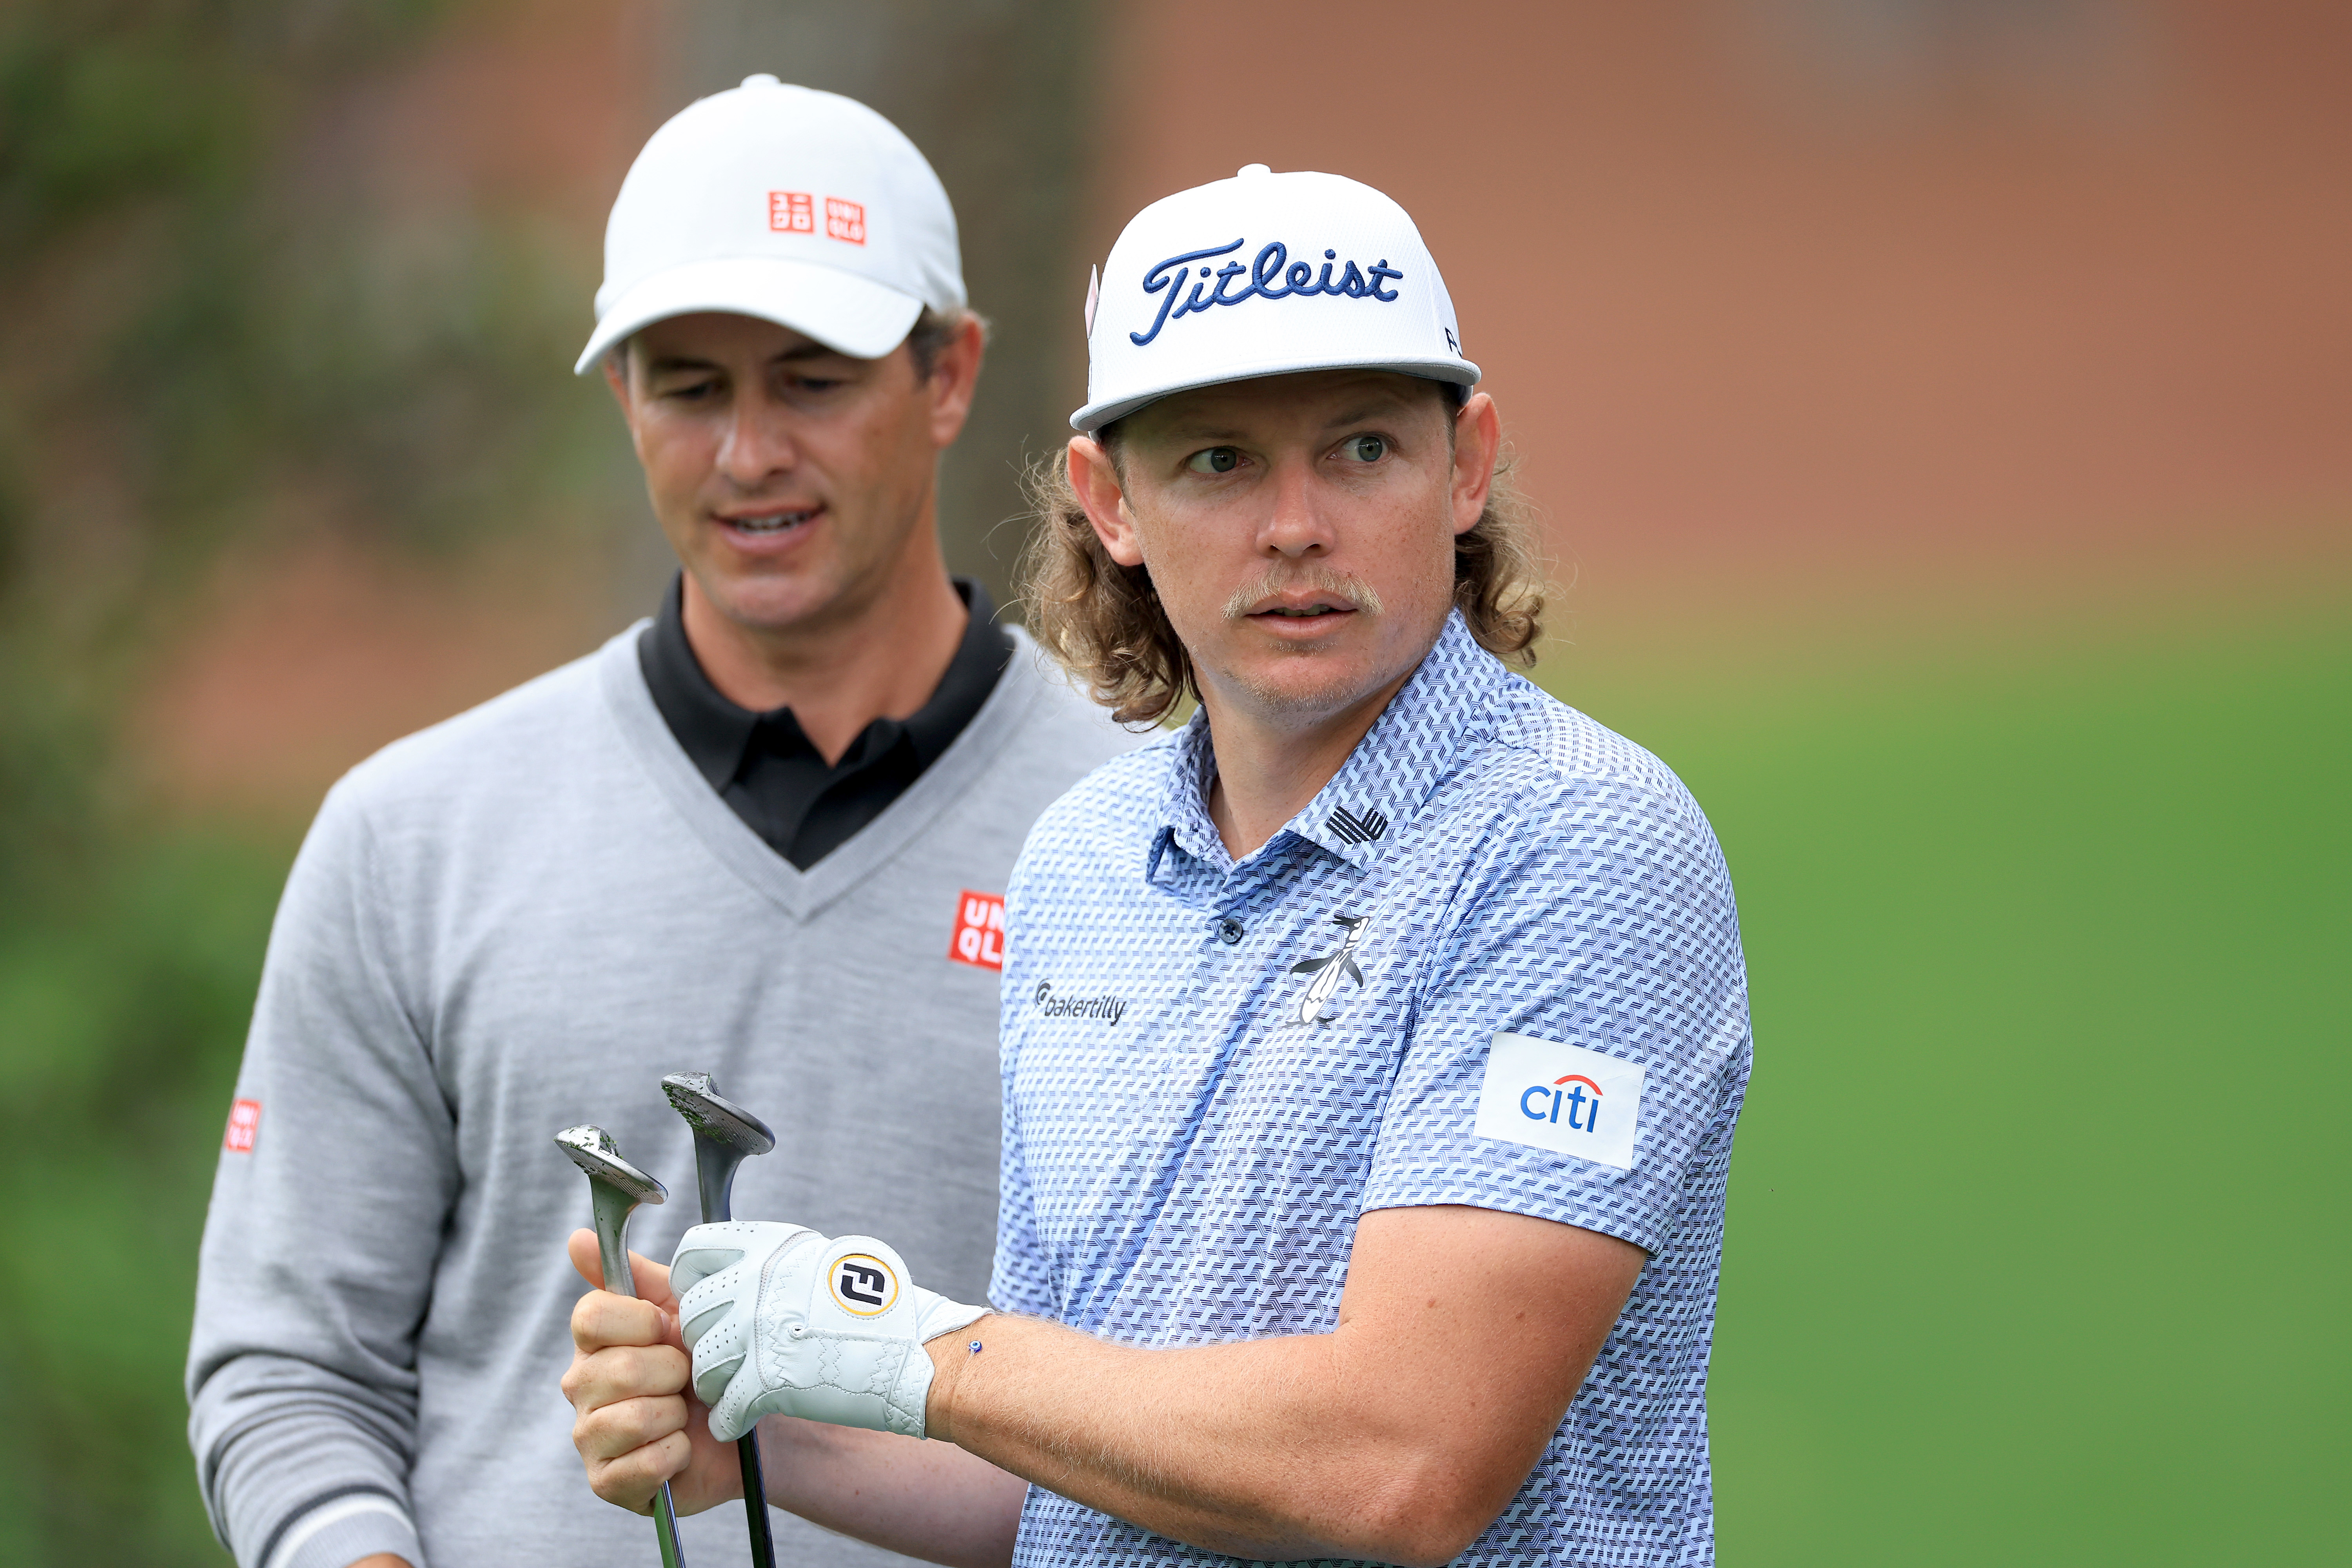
{"x":333,"y":1190}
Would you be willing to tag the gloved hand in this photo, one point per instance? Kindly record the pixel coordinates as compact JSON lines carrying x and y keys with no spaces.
{"x":783,"y":1323}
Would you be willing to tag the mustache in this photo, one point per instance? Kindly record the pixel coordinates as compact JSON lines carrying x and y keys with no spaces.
{"x":1285,"y":577}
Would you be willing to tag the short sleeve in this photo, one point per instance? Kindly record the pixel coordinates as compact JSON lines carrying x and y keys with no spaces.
{"x":1598,"y":919}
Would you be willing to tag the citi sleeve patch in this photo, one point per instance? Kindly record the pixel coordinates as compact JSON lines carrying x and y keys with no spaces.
{"x":1563,"y":1098}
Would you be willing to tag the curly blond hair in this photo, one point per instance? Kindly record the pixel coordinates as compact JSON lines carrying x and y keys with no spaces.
{"x":1103,"y":622}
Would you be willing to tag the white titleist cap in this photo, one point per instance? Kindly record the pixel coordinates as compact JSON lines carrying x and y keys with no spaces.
{"x":798,"y":207}
{"x":1264,"y":274}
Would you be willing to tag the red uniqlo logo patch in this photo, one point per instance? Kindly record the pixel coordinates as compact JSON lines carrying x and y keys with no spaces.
{"x":791,"y":212}
{"x":979,"y":938}
{"x":845,"y":220}
{"x":244,"y":1121}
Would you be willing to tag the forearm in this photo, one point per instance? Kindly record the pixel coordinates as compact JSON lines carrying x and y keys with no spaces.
{"x":1273,"y":1449}
{"x":930,"y":1501}
{"x":300,"y":1467}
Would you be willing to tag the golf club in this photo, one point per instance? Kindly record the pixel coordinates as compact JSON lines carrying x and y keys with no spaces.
{"x":615,"y":1188}
{"x":724,"y":1136}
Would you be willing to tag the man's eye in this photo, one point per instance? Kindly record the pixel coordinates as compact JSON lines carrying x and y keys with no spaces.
{"x":1365,"y":449}
{"x":1215,"y":460}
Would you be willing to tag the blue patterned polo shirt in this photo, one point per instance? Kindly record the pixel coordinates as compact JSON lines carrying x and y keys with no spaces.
{"x":1495,"y":961}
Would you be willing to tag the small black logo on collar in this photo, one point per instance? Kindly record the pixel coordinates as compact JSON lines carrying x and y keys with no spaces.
{"x":1357,"y":829}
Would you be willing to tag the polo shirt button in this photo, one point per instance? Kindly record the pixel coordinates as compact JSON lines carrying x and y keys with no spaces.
{"x":1230,"y":929}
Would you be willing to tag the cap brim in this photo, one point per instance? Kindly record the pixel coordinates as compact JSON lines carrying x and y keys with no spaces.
{"x":1094,"y":415}
{"x":849,"y":315}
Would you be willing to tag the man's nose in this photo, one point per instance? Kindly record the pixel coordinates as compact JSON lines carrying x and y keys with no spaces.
{"x":758,"y":441}
{"x":1299,"y":526}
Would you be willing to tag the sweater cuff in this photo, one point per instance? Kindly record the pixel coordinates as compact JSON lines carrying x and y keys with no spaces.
{"x":338,"y":1532}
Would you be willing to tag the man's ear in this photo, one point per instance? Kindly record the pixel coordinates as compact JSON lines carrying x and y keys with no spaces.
{"x":1099,"y":490}
{"x":615,"y":366}
{"x":955,"y":374}
{"x":1477,"y":443}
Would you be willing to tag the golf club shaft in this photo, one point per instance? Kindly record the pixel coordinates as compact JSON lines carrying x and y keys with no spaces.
{"x":714,"y":1169}
{"x":612,"y":1209}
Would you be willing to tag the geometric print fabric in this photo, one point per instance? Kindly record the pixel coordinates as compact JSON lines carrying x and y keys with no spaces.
{"x":1185,"y":1160}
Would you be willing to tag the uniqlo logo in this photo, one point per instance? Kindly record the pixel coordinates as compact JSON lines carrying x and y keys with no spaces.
{"x":979,"y":938}
{"x":791,"y":212}
{"x":845,"y":220}
{"x":244,"y":1121}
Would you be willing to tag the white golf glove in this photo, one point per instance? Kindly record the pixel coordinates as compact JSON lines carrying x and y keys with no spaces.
{"x":783,"y":1323}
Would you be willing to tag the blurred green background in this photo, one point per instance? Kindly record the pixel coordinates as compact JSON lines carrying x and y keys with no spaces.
{"x":1943,"y":432}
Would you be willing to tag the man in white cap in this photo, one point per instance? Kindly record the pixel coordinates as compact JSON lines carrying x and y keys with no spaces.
{"x":1372,"y":1046}
{"x":765,"y":837}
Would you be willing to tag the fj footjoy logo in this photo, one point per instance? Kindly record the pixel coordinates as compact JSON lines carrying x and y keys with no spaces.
{"x":1357,"y":829}
{"x":1561,"y":1098}
{"x":795,"y":212}
{"x":979,"y":936}
{"x":243,"y":1123}
{"x":1328,"y":968}
{"x":1106,"y":1008}
{"x":864,"y":1285}
{"x":1271,"y":276}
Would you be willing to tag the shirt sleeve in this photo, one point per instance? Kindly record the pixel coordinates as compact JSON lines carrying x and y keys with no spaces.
{"x":1597,"y":920}
{"x":327,"y":1212}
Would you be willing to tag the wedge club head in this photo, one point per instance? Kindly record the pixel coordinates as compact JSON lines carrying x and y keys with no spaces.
{"x":725,"y":1135}
{"x":615,"y":1188}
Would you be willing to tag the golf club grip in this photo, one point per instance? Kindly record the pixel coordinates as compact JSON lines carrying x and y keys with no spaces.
{"x":755,"y":1500}
{"x":666,"y":1527}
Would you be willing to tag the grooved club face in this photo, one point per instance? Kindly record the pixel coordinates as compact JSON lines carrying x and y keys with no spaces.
{"x":720,"y":1120}
{"x":592,"y":1150}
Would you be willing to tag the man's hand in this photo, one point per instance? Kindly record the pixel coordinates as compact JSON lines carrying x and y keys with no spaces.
{"x":633,"y":1426}
{"x":782,"y":1322}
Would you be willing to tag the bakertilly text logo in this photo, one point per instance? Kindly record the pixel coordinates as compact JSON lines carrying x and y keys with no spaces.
{"x":1106,"y":1008}
{"x":1271,"y":276}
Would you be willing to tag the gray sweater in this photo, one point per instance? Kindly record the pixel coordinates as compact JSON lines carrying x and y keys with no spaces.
{"x":515,"y":921}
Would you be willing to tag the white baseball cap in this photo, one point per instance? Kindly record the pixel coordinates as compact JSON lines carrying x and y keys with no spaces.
{"x":797,"y":206}
{"x":1264,"y":274}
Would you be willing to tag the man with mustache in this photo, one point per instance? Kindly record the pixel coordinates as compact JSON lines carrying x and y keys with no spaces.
{"x":1385,"y":1223}
{"x":760,"y":836}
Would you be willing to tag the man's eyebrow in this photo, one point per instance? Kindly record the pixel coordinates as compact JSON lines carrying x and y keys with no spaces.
{"x":1378,"y":404}
{"x":1386,"y":403}
{"x":672,"y":362}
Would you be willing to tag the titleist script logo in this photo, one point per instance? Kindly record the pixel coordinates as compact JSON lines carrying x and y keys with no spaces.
{"x":1105,"y":1007}
{"x":1271,"y":276}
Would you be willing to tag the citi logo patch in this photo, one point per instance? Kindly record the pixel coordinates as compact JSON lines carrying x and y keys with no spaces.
{"x":863,"y":1286}
{"x":1563,"y":1098}
{"x":1356,"y":829}
{"x":979,"y":935}
{"x":243,"y":1123}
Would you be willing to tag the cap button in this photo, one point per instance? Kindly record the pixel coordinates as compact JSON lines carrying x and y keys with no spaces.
{"x":1248,"y":169}
{"x":761,"y":78}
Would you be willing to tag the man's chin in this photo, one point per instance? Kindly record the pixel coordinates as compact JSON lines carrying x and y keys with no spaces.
{"x":1303,"y":683}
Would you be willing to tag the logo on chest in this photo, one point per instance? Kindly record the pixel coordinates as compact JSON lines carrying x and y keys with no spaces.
{"x":1056,"y":1005}
{"x":1328,"y":970}
{"x":979,"y":936}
